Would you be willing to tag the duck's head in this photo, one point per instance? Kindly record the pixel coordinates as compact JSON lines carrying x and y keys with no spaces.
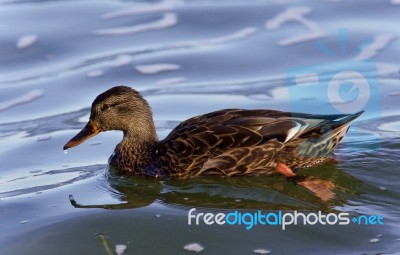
{"x":119,"y":108}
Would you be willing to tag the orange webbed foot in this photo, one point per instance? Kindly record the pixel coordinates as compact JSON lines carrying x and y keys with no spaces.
{"x":284,"y":170}
{"x":321,"y":188}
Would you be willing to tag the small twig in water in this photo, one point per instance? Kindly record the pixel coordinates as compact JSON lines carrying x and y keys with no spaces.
{"x":105,"y":244}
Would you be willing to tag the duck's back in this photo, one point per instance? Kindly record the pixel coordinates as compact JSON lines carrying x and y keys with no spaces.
{"x":243,"y":142}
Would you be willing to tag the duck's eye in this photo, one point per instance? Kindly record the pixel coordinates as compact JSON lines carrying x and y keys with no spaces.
{"x":105,"y":107}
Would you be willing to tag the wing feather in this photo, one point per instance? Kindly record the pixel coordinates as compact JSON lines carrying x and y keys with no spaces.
{"x":235,"y":141}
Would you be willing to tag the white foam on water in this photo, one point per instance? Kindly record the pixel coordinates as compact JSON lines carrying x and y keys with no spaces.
{"x":172,"y":80}
{"x":163,"y":6}
{"x":121,"y":60}
{"x":374,"y":240}
{"x":296,"y":14}
{"x":240,"y":34}
{"x":379,"y":43}
{"x":156,"y":68}
{"x":65,"y":152}
{"x":168,"y":20}
{"x":261,"y":251}
{"x":26,"y":41}
{"x":196,"y":247}
{"x":25,"y":98}
{"x":43,"y":138}
{"x":390,"y":126}
{"x":120,"y":248}
{"x":23,"y":221}
{"x":95,"y":73}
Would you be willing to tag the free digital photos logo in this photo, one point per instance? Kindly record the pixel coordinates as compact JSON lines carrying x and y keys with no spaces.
{"x":345,"y":84}
{"x":279,"y":218}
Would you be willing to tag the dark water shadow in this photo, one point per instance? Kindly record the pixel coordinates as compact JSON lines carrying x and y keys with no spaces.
{"x":262,"y":193}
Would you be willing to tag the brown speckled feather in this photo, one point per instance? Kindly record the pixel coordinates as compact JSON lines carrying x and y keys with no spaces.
{"x":238,"y":142}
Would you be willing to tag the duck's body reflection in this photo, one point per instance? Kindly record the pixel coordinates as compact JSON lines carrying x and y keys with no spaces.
{"x":262,"y":193}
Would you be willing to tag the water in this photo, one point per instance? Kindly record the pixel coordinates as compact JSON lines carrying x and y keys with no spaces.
{"x":187,"y":58}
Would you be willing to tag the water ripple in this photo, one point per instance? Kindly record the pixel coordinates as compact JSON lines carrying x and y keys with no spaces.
{"x":9,"y":79}
{"x":25,"y":98}
{"x":168,"y":20}
{"x":45,"y":181}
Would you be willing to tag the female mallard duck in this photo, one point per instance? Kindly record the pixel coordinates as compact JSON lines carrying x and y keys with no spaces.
{"x":226,"y":142}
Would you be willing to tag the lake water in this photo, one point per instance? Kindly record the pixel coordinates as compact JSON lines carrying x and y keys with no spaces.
{"x":188,"y":58}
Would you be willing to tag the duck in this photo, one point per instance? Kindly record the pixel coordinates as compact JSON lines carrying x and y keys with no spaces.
{"x":228,"y":142}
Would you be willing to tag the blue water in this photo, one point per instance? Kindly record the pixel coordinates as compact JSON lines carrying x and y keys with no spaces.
{"x":189,"y":58}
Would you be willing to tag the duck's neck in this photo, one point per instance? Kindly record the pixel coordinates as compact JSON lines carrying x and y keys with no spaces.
{"x":134,"y":153}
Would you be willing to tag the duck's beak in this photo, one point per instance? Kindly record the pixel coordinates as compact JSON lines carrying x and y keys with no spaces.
{"x":88,"y":131}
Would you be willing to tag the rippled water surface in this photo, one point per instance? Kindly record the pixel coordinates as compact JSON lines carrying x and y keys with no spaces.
{"x":190,"y":57}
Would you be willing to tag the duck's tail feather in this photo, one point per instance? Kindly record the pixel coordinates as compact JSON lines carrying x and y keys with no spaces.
{"x":345,"y":120}
{"x":323,"y":139}
{"x":331,"y":124}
